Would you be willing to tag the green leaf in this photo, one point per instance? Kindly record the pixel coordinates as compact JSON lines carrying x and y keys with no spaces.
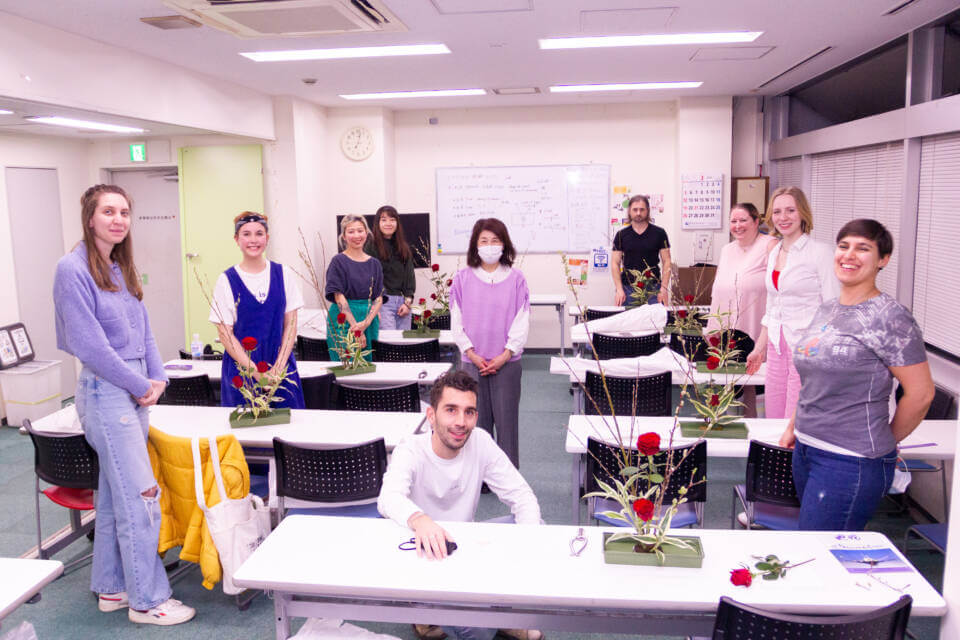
{"x":772,"y":558}
{"x":764,"y":566}
{"x":655,"y":477}
{"x":626,"y":472}
{"x":770,"y":576}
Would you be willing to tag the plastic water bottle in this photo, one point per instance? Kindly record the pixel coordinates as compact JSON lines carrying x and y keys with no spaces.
{"x":196,"y":347}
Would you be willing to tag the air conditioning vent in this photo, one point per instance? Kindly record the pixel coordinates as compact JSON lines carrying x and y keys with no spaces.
{"x":289,"y":18}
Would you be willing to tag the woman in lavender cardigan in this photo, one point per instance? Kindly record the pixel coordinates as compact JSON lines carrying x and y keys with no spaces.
{"x":490,"y":320}
{"x":100,"y":319}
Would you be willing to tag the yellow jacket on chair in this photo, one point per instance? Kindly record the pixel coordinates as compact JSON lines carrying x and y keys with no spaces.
{"x":182,"y":522}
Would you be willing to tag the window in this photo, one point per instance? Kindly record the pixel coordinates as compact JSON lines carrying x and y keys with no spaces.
{"x":789,"y":172}
{"x":936,"y":287}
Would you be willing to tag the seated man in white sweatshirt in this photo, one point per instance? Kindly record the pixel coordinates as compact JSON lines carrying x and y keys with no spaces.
{"x":437,"y":476}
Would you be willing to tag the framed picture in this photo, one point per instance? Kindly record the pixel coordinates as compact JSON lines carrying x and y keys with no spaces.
{"x":21,"y":342}
{"x":8,"y":353}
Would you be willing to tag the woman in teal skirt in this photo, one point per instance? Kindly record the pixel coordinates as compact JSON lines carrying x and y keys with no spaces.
{"x":355,"y":287}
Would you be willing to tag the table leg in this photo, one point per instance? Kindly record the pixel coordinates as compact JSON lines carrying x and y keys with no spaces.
{"x":280,"y":601}
{"x":575,"y":490}
{"x":562,"y":310}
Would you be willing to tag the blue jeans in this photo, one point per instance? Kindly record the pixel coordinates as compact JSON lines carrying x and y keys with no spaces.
{"x":128,"y":524}
{"x":470,"y":633}
{"x":838,"y":492}
{"x":388,"y":314}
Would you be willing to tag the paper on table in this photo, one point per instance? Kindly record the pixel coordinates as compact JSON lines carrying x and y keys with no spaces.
{"x":662,"y":360}
{"x":649,"y":318}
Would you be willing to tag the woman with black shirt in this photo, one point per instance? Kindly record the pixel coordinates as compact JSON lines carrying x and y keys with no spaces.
{"x":388,"y":245}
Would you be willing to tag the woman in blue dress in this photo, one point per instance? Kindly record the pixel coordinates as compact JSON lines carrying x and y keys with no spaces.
{"x":257,"y":299}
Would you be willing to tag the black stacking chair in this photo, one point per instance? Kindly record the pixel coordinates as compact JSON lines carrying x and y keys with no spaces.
{"x":934,"y":534}
{"x":208,"y":354}
{"x":70,"y":465}
{"x":768,"y":496}
{"x":653,"y":396}
{"x":405,"y":397}
{"x":318,"y":391}
{"x":194,"y":391}
{"x":342,"y":482}
{"x":604,"y":460}
{"x":439,"y":322}
{"x":428,"y":351}
{"x":312,"y":349}
{"x":692,"y":347}
{"x":608,"y":346}
{"x":596,"y":314}
{"x":737,"y":621}
{"x":940,"y":409}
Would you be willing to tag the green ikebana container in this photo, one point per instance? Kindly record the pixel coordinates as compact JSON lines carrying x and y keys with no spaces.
{"x":736,"y":367}
{"x":698,"y":429}
{"x":417,"y":333}
{"x":340,"y":371}
{"x":626,"y":552}
{"x":239,"y":420}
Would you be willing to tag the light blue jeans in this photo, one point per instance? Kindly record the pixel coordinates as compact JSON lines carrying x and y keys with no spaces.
{"x":128,"y":524}
{"x":388,"y":314}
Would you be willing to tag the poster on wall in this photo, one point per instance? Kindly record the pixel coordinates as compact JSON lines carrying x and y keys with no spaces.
{"x":577,"y":272}
{"x":701,"y":201}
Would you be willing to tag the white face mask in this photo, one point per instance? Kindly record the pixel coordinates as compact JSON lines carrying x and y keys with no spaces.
{"x":490,"y":253}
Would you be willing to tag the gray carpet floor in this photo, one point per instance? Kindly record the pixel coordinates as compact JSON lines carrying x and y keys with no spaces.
{"x":68,"y":609}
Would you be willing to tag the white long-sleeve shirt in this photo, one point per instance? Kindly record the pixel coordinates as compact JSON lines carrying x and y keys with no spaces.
{"x":519,"y":329}
{"x":806,"y":281}
{"x":420,"y":480}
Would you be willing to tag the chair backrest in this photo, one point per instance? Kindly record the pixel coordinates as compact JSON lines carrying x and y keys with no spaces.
{"x":330,"y":475}
{"x":652,"y":395}
{"x":693,"y":347}
{"x":608,"y":346}
{"x":208,"y":354}
{"x":318,"y":391}
{"x":770,"y":475}
{"x":194,"y":391}
{"x":743,"y":343}
{"x":439,"y":322}
{"x":737,"y":620}
{"x":66,"y":460}
{"x":690,"y":461}
{"x":596,"y":314}
{"x":942,"y":407}
{"x":428,"y":351}
{"x":405,"y":397}
{"x":312,"y":349}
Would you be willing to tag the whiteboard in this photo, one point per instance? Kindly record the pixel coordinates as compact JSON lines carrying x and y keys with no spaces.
{"x":546,"y":208}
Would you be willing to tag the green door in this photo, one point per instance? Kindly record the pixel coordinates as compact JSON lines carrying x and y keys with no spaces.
{"x":216,"y":184}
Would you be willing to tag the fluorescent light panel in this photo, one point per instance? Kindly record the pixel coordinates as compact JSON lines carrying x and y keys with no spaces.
{"x":4,"y":112}
{"x":635,"y":86}
{"x":436,"y":93}
{"x":350,"y":52}
{"x":649,"y":40}
{"x":84,"y":124}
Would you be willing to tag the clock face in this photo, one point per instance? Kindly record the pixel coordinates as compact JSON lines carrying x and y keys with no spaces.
{"x":357,"y":143}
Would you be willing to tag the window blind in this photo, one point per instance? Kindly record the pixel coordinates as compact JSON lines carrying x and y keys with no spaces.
{"x":789,"y":172}
{"x":863,"y":182}
{"x":936,"y":295}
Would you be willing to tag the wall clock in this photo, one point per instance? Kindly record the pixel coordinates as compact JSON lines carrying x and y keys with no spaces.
{"x":357,"y":143}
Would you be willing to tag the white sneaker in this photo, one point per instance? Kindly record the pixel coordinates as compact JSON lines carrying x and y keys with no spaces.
{"x":108,"y":602}
{"x":166,"y":613}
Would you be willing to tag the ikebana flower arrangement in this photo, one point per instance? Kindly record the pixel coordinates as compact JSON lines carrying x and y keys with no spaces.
{"x":422,"y":323}
{"x":259,"y":391}
{"x":438,"y":304}
{"x":348,"y":343}
{"x":440,"y":298}
{"x":686,"y":321}
{"x":641,"y":287}
{"x":768,"y":567}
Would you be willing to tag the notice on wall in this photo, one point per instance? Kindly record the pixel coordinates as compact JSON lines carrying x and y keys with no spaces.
{"x":577,"y":272}
{"x":600,"y":259}
{"x":701,"y":201}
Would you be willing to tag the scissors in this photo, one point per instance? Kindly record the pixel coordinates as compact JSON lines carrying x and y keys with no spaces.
{"x":411,"y":545}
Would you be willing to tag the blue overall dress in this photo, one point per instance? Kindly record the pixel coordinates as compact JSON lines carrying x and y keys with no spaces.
{"x":263,"y":321}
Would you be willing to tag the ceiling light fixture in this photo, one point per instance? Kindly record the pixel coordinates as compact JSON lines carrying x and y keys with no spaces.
{"x":348,"y":52}
{"x":635,"y":86}
{"x":4,"y":112}
{"x":84,"y":124}
{"x":435,"y":93}
{"x":653,"y":39}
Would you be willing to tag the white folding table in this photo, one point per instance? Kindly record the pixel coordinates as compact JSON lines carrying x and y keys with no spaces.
{"x":23,"y":579}
{"x":387,"y":373}
{"x":312,"y":323}
{"x":523,"y":576}
{"x":559,"y":302}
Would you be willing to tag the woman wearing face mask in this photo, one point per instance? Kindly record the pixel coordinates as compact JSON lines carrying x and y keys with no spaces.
{"x":799,"y":278}
{"x":354,"y":286}
{"x":845,"y":442}
{"x":490,"y":320}
{"x":258,"y":299}
{"x":388,"y":245}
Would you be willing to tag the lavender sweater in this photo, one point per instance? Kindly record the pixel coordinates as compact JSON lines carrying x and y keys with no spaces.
{"x":488,"y":309}
{"x":103,"y":328}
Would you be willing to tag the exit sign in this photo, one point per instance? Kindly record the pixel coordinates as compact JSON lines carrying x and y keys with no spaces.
{"x":138,"y":152}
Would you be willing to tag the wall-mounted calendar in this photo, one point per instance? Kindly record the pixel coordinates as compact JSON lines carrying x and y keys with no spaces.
{"x":701,"y":201}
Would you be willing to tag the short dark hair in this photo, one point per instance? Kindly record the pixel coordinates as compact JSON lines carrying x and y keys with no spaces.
{"x":459,"y":380}
{"x":636,"y":199}
{"x":871,"y":230}
{"x":749,"y":207}
{"x":494,"y":226}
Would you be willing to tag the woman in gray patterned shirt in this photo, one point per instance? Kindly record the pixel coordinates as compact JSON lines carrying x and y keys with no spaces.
{"x":845,"y":443}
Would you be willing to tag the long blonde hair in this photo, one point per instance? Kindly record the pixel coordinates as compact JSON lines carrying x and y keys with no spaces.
{"x":122,"y":252}
{"x":803,"y":208}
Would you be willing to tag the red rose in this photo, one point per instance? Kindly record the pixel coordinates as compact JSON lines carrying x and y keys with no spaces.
{"x":449,"y":282}
{"x":643,"y":508}
{"x":713,"y":362}
{"x":688,"y":298}
{"x":714,"y":400}
{"x":357,"y":332}
{"x":237,"y":381}
{"x":433,"y":296}
{"x":682,"y":313}
{"x":341,"y":318}
{"x":427,"y":313}
{"x":714,"y":341}
{"x":435,"y":267}
{"x":249,"y":343}
{"x":648,"y":274}
{"x":648,"y":443}
{"x":732,"y":344}
{"x":423,"y":301}
{"x":741,"y":577}
{"x":263,"y":367}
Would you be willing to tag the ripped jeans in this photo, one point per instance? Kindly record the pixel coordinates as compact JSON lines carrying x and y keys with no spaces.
{"x":128,"y":523}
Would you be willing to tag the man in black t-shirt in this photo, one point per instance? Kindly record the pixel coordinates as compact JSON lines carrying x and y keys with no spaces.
{"x":642,"y":246}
